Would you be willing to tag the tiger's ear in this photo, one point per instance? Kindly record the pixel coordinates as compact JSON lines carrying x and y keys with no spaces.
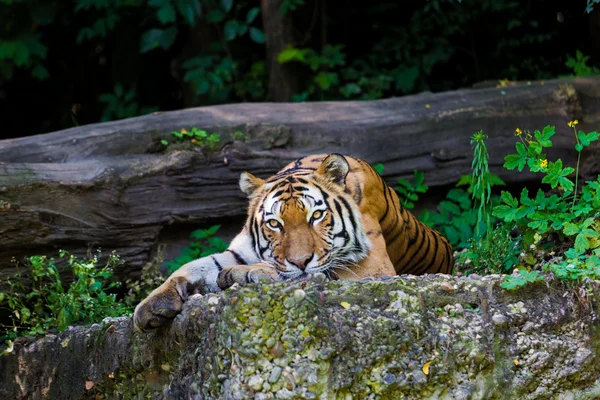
{"x":335,"y":168}
{"x":250,"y":183}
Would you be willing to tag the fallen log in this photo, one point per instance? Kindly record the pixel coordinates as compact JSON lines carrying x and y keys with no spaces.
{"x":410,"y":337}
{"x":115,"y":186}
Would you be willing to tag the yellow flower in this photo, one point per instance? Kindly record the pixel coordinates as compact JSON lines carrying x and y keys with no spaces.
{"x":518,"y":132}
{"x":573,"y":123}
{"x":544,"y":163}
{"x":503,"y":83}
{"x":427,"y":106}
{"x":183,"y":131}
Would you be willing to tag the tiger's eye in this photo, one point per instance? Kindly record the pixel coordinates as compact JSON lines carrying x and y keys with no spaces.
{"x":317,"y":214}
{"x":273,"y":223}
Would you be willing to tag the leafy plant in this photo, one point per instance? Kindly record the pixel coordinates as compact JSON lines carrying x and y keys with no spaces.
{"x":122,"y":104}
{"x":150,"y":279}
{"x":521,"y":278}
{"x":455,"y":218}
{"x":203,"y":139}
{"x":379,"y":167}
{"x":579,"y":65}
{"x":481,"y":183}
{"x":408,"y":191}
{"x":204,"y":244}
{"x":566,"y":213}
{"x":47,"y":303}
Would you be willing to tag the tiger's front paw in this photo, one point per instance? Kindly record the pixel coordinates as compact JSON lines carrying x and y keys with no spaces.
{"x":162,"y":305}
{"x":243,"y":274}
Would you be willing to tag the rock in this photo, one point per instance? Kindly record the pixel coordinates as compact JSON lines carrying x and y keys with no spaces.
{"x":499,"y":319}
{"x":402,"y":340}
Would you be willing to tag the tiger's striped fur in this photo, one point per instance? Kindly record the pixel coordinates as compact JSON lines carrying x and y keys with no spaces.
{"x":322,"y":213}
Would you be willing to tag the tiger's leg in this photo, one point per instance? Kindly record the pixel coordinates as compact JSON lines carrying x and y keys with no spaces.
{"x":377,"y":263}
{"x":198,"y":276}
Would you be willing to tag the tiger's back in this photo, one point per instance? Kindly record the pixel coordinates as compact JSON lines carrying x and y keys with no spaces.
{"x":413,"y":247}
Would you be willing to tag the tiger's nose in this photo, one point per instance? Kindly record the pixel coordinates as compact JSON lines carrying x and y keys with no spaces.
{"x":301,"y":262}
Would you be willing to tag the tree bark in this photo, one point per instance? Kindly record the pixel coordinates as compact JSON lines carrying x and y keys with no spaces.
{"x":410,"y":337}
{"x":114,"y":186}
{"x":279,"y":34}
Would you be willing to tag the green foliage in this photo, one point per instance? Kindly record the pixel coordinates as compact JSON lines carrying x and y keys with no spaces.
{"x":569,"y":214}
{"x":408,"y":191}
{"x":378,"y":168}
{"x":495,"y":254}
{"x":203,"y":139}
{"x":46,"y":302}
{"x":590,"y":5}
{"x":579,"y":65}
{"x":290,"y":5}
{"x":121,"y":104}
{"x":21,"y":45}
{"x":204,"y":244}
{"x":455,"y":218}
{"x":150,"y":279}
{"x":482,"y":181}
{"x":521,"y":279}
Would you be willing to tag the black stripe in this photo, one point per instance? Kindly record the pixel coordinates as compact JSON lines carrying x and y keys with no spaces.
{"x":350,"y":215}
{"x":237,"y":257}
{"x":425,"y":253}
{"x":219,"y":266}
{"x":343,"y":233}
{"x":433,"y":256}
{"x":387,"y":205}
{"x":411,"y":243}
{"x":358,"y":194}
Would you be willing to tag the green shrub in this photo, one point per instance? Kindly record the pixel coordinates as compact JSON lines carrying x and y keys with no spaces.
{"x":205,"y":244}
{"x":567,"y":213}
{"x":45,"y":302}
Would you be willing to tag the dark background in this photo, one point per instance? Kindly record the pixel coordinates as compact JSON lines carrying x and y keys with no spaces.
{"x":64,"y":63}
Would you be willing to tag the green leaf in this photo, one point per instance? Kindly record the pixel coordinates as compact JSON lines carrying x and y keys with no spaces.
{"x":461,"y":197}
{"x":326,"y":79}
{"x":378,"y":168}
{"x":226,"y":5}
{"x":581,"y":242}
{"x":450,"y":207}
{"x":513,"y":161}
{"x":166,"y":13}
{"x":544,"y":137}
{"x":292,"y":54}
{"x":464,"y":180}
{"x":257,"y":35}
{"x":570,"y":228}
{"x":509,"y":199}
{"x":252,"y":14}
{"x":189,"y":10}
{"x":494,"y":180}
{"x":587,"y":139}
{"x":154,"y":38}
{"x":419,"y":178}
{"x":230,"y":30}
{"x":215,"y":16}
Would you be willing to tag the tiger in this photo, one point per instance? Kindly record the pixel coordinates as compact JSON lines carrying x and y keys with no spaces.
{"x":324,"y":213}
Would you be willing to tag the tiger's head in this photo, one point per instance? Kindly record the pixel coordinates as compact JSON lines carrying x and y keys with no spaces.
{"x":302,"y":221}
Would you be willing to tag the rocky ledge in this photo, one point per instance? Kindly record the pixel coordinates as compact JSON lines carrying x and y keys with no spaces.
{"x":409,"y":337}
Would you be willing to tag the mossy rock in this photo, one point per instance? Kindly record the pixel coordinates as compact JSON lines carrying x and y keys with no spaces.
{"x":437,"y":337}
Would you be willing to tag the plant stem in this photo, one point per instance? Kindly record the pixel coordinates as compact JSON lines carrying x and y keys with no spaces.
{"x":576,"y":170}
{"x":576,"y":178}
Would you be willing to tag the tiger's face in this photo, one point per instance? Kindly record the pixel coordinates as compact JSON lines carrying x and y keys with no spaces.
{"x":304,"y":223}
